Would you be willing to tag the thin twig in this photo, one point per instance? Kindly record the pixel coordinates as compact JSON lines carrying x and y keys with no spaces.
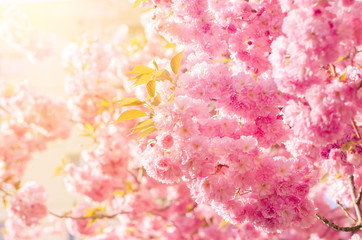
{"x":172,"y":222}
{"x":346,"y":212}
{"x":336,"y":227}
{"x":4,"y":191}
{"x":353,"y":195}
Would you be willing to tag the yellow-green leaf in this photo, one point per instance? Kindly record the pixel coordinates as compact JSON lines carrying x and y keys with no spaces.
{"x":342,"y":78}
{"x":58,"y":170}
{"x":155,"y":64}
{"x":170,"y":45}
{"x":132,"y":101}
{"x":171,"y":97}
{"x":161,"y":75}
{"x":88,"y":126}
{"x":137,"y":3}
{"x":135,"y":77}
{"x":189,"y":207}
{"x":119,"y":193}
{"x":129,"y":187}
{"x":157,"y":100}
{"x":146,"y":132}
{"x":104,"y":103}
{"x":90,"y":222}
{"x":223,"y":223}
{"x":8,"y":178}
{"x":142,"y":125}
{"x":5,"y":202}
{"x":151,"y":88}
{"x":340,"y":59}
{"x":142,"y":69}
{"x":176,"y":62}
{"x":130,"y":114}
{"x":17,"y":185}
{"x":145,"y":78}
{"x":324,"y":178}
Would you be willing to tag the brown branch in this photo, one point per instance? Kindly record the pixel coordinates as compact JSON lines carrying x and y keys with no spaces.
{"x":97,"y":216}
{"x":358,"y":199}
{"x":336,"y":227}
{"x":346,"y":212}
{"x":356,"y":204}
{"x":353,"y":195}
{"x":356,"y":129}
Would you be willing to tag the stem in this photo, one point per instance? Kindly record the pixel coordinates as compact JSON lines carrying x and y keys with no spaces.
{"x":356,"y":129}
{"x":353,"y":195}
{"x":346,"y":212}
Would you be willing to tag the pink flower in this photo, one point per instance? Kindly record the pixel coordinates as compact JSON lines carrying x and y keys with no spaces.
{"x":28,"y":205}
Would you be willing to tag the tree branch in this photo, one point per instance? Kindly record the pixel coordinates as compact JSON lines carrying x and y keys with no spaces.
{"x":97,"y":216}
{"x":358,"y":199}
{"x":356,"y":203}
{"x":353,"y":195}
{"x":336,"y":227}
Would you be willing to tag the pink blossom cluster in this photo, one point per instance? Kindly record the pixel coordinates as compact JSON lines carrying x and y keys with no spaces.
{"x":28,"y":121}
{"x":255,"y":130}
{"x":111,"y":170}
{"x":240,"y":30}
{"x":252,"y":121}
{"x":27,"y":208}
{"x":300,"y":96}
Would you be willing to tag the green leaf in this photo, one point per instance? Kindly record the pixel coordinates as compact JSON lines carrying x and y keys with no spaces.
{"x":132,"y":101}
{"x":161,"y":75}
{"x":130,"y":114}
{"x":151,"y":88}
{"x":142,"y":69}
{"x":176,"y":62}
